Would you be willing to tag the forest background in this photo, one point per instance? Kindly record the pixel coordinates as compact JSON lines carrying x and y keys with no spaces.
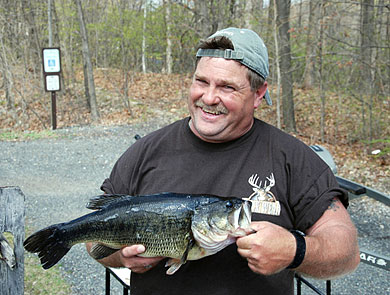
{"x":129,"y":60}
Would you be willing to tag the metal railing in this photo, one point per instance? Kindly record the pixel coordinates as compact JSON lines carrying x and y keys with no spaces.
{"x":123,"y":278}
{"x":300,"y":280}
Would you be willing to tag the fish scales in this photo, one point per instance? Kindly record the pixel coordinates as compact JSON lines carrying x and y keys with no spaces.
{"x":163,"y":234}
{"x":165,"y":223}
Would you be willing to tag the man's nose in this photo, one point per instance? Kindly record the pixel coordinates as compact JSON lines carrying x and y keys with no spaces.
{"x":211,"y":96}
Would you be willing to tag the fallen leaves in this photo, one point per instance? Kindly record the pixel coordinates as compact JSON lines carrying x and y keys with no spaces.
{"x":136,"y":97}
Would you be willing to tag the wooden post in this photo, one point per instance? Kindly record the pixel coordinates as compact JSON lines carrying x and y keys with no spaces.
{"x":12,"y":221}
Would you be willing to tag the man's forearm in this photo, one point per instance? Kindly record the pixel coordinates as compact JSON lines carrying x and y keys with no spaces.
{"x":331,"y":252}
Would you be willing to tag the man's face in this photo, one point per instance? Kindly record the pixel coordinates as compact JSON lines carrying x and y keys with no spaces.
{"x":221,"y":102}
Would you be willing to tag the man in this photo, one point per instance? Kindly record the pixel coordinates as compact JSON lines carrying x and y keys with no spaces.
{"x":222,"y":150}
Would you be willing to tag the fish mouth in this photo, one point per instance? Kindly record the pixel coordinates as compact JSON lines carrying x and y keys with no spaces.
{"x":242,"y":219}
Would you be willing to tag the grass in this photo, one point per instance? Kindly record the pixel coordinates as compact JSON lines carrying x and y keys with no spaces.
{"x":40,"y":281}
{"x":26,"y":135}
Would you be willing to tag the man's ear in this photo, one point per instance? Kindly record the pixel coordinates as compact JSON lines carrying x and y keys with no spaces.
{"x":259,"y":94}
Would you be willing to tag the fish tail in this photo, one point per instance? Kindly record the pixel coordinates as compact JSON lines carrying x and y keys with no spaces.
{"x":48,"y":244}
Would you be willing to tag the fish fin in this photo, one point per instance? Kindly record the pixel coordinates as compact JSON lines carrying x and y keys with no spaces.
{"x":48,"y":244}
{"x":102,"y":201}
{"x":190,"y":244}
{"x":174,"y":265}
{"x":99,"y":251}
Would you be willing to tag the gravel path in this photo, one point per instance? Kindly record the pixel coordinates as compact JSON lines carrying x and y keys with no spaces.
{"x":59,"y":175}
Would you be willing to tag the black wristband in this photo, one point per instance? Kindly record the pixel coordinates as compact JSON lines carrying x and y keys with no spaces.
{"x":301,"y":249}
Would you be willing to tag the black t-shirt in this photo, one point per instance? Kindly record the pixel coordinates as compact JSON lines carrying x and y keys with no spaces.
{"x":290,"y":180}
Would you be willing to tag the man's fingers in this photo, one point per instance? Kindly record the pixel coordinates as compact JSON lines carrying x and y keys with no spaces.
{"x":258,"y":225}
{"x":250,"y":231}
{"x":131,"y":260}
{"x":132,"y":250}
{"x":244,"y":252}
{"x":246,"y":242}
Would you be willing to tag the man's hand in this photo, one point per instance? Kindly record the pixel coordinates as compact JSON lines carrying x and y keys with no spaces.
{"x":331,"y":246}
{"x":128,"y":258}
{"x":270,"y":250}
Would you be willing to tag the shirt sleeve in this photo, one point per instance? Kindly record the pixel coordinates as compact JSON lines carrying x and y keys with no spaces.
{"x":114,"y":184}
{"x":121,"y":177}
{"x":317,"y":199}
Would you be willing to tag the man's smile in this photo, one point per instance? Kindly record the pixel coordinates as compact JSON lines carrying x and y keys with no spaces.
{"x":211,"y":110}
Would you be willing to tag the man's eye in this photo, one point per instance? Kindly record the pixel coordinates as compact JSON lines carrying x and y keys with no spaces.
{"x":228,"y":87}
{"x":201,"y":81}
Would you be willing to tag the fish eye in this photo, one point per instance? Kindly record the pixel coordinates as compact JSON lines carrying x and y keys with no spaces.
{"x":229,"y":204}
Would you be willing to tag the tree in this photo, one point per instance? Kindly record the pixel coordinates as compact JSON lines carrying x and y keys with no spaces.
{"x":366,"y":59}
{"x":144,"y":39}
{"x":248,"y":12}
{"x":311,"y":32}
{"x":88,"y":70}
{"x":168,"y":22}
{"x":34,"y":42}
{"x":6,"y":73}
{"x":320,"y":56}
{"x":201,"y":9}
{"x":282,"y":21}
{"x":277,"y":66}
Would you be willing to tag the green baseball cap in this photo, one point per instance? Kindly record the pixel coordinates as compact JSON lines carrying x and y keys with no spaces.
{"x":249,"y":50}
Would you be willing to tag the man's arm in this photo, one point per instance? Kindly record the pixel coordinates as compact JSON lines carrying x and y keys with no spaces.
{"x":331,"y":246}
{"x":127,"y":257}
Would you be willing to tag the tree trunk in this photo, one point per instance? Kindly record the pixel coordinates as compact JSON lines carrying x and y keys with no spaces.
{"x":125,"y":66}
{"x":277,"y":67}
{"x":309,"y":73}
{"x":203,"y":16}
{"x":282,"y":21}
{"x":7,"y":78}
{"x":168,"y":61}
{"x":270,"y":19}
{"x":320,"y":53}
{"x":67,"y":50}
{"x":144,"y":40}
{"x":88,"y":65}
{"x":49,"y":18}
{"x":86,"y":84}
{"x":248,"y":13}
{"x":34,"y":49}
{"x":366,"y":57}
{"x":375,"y":62}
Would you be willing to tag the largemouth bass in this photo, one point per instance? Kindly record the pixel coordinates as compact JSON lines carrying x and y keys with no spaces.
{"x":182,"y":227}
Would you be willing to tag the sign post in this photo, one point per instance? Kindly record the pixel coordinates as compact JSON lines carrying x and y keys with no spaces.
{"x":51,"y":58}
